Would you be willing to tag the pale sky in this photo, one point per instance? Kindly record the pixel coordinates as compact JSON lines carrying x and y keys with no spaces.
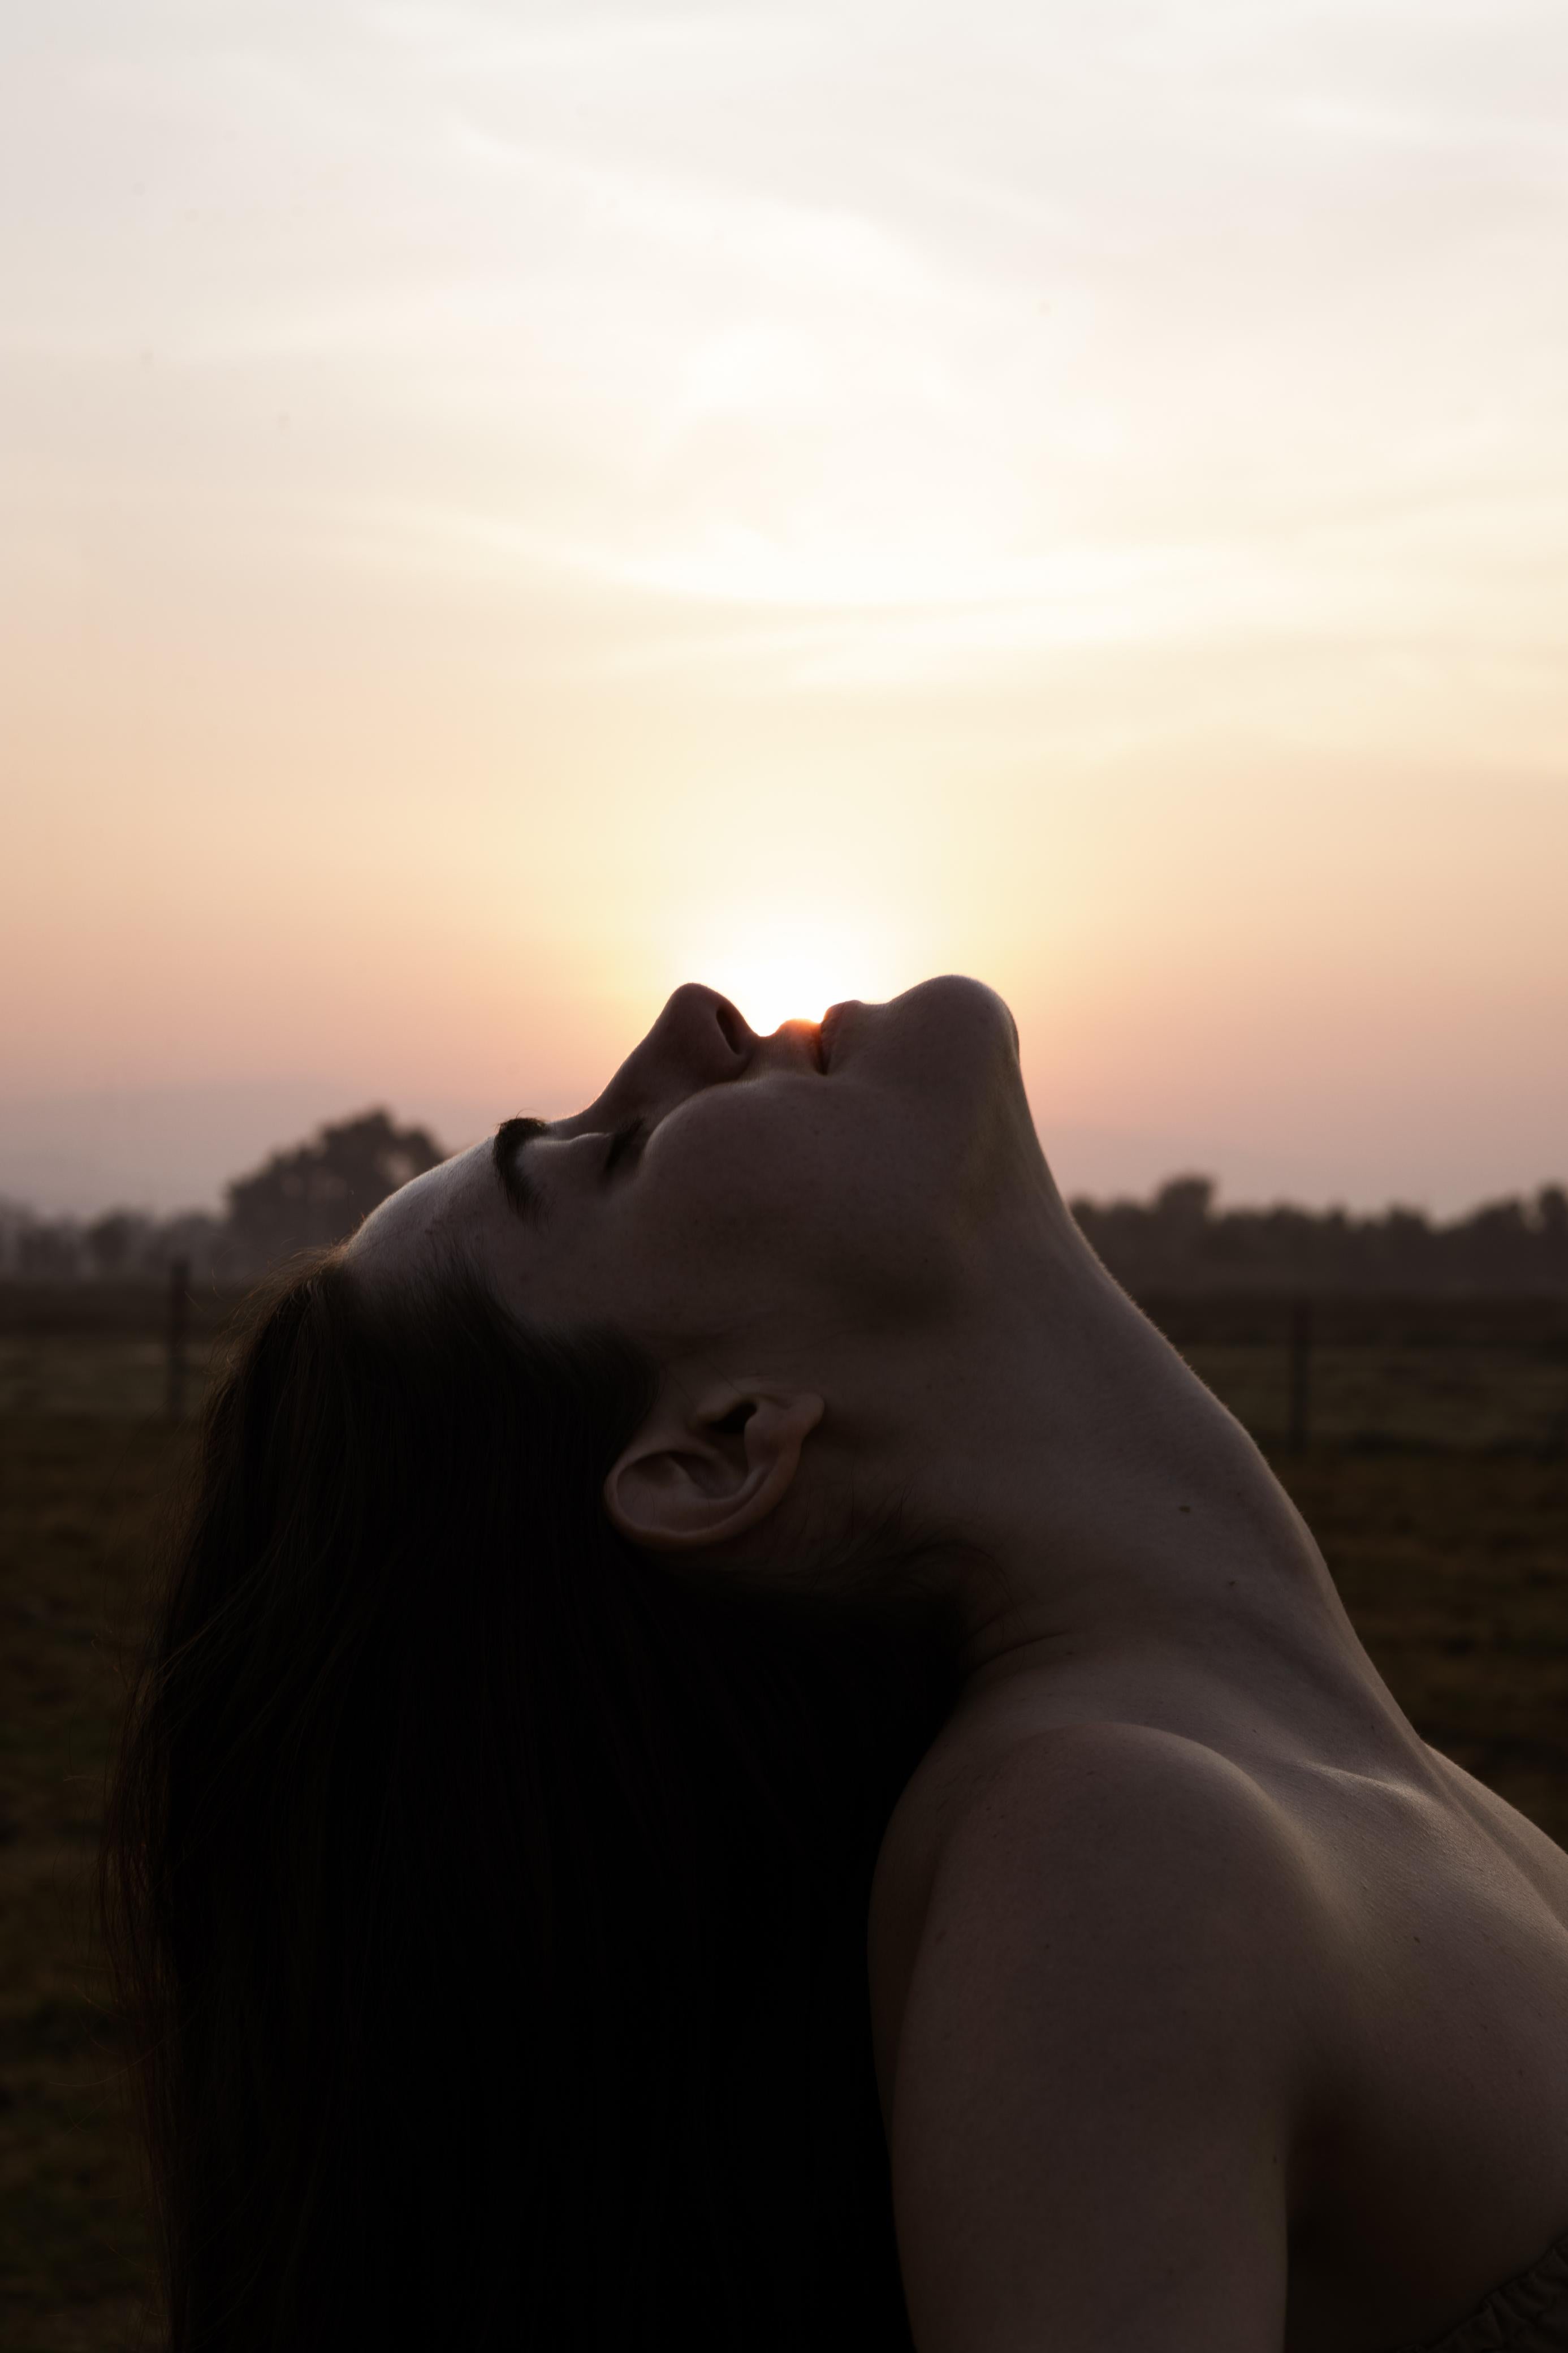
{"x":505,"y":509}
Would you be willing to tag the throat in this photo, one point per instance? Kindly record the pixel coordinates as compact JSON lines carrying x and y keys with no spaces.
{"x":1189,"y":1596}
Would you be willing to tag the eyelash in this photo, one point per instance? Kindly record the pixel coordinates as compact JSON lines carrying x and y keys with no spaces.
{"x":630,"y":1133}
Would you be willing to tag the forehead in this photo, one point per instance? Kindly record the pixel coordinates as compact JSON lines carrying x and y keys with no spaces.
{"x":454,"y":1203}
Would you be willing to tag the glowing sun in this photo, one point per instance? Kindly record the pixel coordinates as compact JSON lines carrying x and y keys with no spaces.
{"x":792,"y":963}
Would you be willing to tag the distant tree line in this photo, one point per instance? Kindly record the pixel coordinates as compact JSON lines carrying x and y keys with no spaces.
{"x":318,"y":1192}
{"x":1180,"y":1241}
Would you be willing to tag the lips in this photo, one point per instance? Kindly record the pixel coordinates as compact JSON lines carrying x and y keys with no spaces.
{"x":826,"y":1030}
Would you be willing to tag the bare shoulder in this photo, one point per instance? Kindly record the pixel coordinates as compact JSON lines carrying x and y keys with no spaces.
{"x":1539,"y":1860}
{"x":1093,"y":1973}
{"x":1110,"y":1858}
{"x":1074,"y":1779}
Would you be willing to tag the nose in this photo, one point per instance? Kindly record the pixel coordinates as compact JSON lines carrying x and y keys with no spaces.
{"x":700,"y":1040}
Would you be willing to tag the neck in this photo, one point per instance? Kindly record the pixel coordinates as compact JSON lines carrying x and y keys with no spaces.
{"x":1132,"y":1555}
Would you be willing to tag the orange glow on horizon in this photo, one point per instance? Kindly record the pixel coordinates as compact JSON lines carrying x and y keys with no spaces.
{"x":1096,"y":520}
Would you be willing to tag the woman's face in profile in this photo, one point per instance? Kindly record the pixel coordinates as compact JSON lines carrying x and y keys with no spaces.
{"x":726,"y":1185}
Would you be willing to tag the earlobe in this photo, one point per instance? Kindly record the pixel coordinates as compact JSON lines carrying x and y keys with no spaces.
{"x":706,"y":1473}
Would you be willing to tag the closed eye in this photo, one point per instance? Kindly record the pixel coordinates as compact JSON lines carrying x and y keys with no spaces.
{"x":630,"y":1134}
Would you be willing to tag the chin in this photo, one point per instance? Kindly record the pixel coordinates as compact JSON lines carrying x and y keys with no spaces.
{"x":952,"y":996}
{"x":955,"y":1021}
{"x":951,"y":1037}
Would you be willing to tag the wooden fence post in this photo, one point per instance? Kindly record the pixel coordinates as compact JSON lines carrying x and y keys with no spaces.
{"x":179,"y":1328}
{"x":1301,"y":1374}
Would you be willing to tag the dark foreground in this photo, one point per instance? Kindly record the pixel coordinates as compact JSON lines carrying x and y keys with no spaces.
{"x":1455,"y":1566}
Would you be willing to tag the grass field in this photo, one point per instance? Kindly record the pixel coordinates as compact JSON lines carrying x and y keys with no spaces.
{"x":1455,"y":1566}
{"x":1447,"y":1373}
{"x":80,"y":1505}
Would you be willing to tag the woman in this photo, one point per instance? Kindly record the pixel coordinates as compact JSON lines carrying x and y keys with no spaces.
{"x":650,"y":1526}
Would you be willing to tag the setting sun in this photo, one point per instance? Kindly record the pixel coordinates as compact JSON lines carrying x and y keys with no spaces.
{"x":792,"y":962}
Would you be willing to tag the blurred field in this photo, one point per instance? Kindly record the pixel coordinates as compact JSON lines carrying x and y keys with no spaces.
{"x":79,"y":1503}
{"x":1454,"y":1565}
{"x":103,"y":1348}
{"x":1469,"y":1372}
{"x":1461,"y":1372}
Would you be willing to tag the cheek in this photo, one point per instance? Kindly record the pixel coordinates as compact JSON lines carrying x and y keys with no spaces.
{"x":761,"y":1214}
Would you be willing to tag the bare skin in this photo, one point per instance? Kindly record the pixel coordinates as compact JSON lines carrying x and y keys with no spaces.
{"x":1214,"y":2011}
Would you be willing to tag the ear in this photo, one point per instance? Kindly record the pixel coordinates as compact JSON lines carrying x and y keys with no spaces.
{"x":704,"y":1472}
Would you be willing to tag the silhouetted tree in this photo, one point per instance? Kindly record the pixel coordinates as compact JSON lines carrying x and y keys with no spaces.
{"x":320,"y":1191}
{"x":49,"y":1253}
{"x":1180,"y":1241}
{"x":1183,"y":1204}
{"x":115,"y":1242}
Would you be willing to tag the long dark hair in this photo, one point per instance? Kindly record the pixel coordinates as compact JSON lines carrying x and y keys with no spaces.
{"x":488,"y":1903}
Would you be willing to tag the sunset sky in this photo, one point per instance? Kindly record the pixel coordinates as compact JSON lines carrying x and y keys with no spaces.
{"x":508,"y":508}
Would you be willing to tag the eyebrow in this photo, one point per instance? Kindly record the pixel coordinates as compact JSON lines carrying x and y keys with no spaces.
{"x":515,"y":1182}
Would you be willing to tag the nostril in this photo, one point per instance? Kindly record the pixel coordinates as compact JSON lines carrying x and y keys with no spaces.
{"x":731,"y":1026}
